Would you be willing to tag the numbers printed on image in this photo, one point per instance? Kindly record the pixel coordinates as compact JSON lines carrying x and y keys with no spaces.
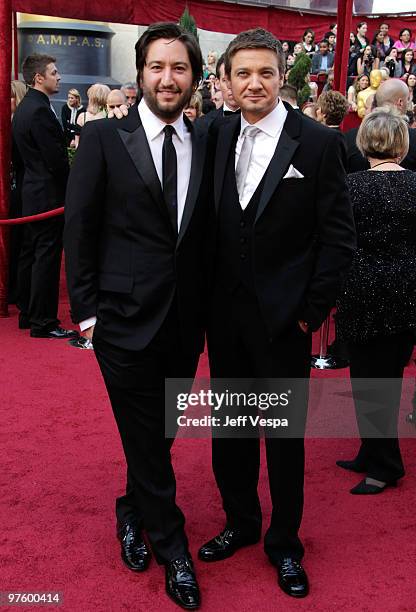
{"x":13,"y":598}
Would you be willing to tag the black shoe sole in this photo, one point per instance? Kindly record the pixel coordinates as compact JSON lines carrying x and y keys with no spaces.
{"x":178,"y":603}
{"x":135,"y":569}
{"x":72,"y":337}
{"x":295,"y":595}
{"x":227,"y":555}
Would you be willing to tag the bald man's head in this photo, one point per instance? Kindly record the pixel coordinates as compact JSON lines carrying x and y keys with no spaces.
{"x":115,"y":98}
{"x":393,"y":92}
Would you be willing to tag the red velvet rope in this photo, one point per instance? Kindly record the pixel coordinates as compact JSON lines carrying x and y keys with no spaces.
{"x":20,"y":220}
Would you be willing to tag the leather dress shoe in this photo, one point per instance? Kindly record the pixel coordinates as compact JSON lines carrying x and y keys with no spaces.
{"x":134,"y":551}
{"x":292,"y":578}
{"x":58,"y":332}
{"x":24,"y":322}
{"x":181,"y":584}
{"x":352,"y":466}
{"x":363,"y":488}
{"x":224,"y":545}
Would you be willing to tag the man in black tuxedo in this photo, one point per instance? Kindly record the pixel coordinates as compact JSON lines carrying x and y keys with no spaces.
{"x":229,"y":107}
{"x":393,"y":92}
{"x":40,"y":142}
{"x":285,"y":235}
{"x":135,"y":258}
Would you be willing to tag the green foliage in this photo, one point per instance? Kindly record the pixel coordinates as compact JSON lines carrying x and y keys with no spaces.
{"x":297,"y":77}
{"x":188,"y":23}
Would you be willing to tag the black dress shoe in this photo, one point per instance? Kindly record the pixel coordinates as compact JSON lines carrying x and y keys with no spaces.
{"x":58,"y":332}
{"x":352,"y":466}
{"x":134,"y":552}
{"x":181,"y":584}
{"x":292,"y":578}
{"x":24,"y":322}
{"x":224,"y":545}
{"x":363,"y":488}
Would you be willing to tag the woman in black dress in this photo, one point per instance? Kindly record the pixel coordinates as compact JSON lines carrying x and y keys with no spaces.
{"x":377,"y":306}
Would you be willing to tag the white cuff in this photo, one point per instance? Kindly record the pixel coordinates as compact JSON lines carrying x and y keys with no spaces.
{"x":87,"y":323}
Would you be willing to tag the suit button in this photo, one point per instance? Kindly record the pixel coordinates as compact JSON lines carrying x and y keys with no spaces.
{"x":242,"y":223}
{"x":243,"y":240}
{"x":243,"y":255}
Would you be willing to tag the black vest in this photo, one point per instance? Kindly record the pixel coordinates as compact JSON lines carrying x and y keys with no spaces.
{"x":234,"y":263}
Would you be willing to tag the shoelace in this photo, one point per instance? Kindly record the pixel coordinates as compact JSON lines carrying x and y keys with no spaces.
{"x":224,"y":537}
{"x":290,"y":567}
{"x":184,"y":571}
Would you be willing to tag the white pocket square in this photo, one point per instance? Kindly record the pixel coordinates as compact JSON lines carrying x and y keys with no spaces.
{"x":293,"y":173}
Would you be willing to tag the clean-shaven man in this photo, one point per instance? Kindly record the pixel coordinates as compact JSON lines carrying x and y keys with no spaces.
{"x":285,"y":236}
{"x":229,"y":106}
{"x":135,"y":258}
{"x":40,"y":142}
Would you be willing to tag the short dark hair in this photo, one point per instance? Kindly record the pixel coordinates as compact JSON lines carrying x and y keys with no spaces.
{"x":385,"y":23}
{"x":220,"y":62}
{"x":35,"y":64}
{"x":324,"y":41}
{"x":255,"y":39}
{"x":166,"y":29}
{"x":289,"y":92}
{"x":328,"y":34}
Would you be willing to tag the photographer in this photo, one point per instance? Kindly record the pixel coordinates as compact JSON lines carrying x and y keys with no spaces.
{"x":392,"y":64}
{"x":368,"y":61}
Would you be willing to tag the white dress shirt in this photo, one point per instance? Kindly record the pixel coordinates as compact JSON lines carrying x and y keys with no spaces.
{"x":264,"y":147}
{"x":153,"y":127}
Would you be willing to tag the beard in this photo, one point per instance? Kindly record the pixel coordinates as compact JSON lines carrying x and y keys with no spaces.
{"x":168,"y":109}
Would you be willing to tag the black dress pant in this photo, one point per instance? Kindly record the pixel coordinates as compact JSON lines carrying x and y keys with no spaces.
{"x":39,"y":273}
{"x":135,"y":382}
{"x":240,"y":347}
{"x":383,"y":358}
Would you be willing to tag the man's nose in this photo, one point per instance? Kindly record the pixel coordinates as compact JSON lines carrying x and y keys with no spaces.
{"x":167,"y":76}
{"x":255,"y":82}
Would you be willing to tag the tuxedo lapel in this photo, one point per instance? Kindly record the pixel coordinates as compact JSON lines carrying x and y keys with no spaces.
{"x":134,"y":139}
{"x":280,"y":162}
{"x":199,"y":139}
{"x":226,"y":134}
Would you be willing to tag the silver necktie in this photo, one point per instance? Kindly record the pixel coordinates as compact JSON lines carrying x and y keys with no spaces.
{"x":250,"y":133}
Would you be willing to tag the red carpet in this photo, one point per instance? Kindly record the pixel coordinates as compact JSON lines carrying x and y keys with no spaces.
{"x":62,"y":467}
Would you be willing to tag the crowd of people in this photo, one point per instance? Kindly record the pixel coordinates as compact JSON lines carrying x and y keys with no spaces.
{"x":246,"y":222}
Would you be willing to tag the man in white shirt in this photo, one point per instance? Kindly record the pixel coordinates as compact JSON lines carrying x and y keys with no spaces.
{"x":285,"y":235}
{"x":134,"y":245}
{"x":229,"y":106}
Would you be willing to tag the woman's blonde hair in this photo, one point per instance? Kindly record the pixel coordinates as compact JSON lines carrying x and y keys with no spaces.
{"x":196,"y":102}
{"x":18,"y":91}
{"x":97,"y":97}
{"x":383,"y":134}
{"x":75,"y":93}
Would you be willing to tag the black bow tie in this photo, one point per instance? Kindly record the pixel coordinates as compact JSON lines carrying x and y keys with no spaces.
{"x":228,"y":112}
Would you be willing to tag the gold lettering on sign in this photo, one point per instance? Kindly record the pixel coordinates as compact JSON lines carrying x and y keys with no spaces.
{"x":97,"y":42}
{"x":40,"y":40}
{"x":56,"y":40}
{"x":85,"y":42}
{"x":71,"y":40}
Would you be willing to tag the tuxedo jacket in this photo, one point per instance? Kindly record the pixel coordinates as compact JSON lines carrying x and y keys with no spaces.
{"x":356,"y":162}
{"x":125,"y":263}
{"x":303,"y":236}
{"x":39,"y":139}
